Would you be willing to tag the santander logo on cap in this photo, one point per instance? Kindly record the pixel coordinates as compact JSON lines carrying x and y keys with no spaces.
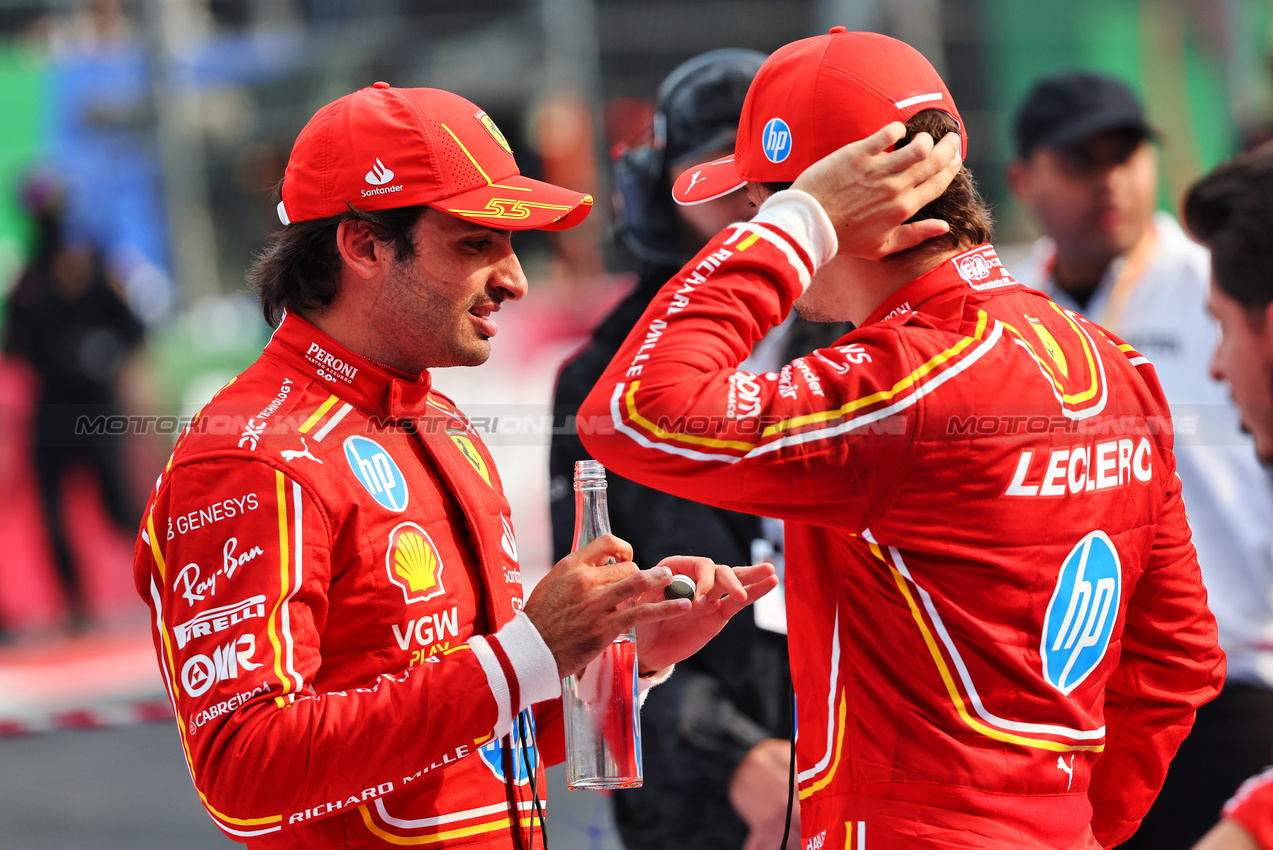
{"x":379,"y":175}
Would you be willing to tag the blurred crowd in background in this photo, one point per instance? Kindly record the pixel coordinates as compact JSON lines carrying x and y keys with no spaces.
{"x":141,"y":143}
{"x":156,"y":130}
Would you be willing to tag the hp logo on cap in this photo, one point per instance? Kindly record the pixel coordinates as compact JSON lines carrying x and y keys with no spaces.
{"x":776,"y":140}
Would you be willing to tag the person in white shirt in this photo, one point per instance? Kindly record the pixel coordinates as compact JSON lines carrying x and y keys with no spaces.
{"x":1086,"y":170}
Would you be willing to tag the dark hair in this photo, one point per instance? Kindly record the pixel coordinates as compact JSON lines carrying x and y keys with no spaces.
{"x":1231,"y":211}
{"x":960,"y":205}
{"x":299,"y":267}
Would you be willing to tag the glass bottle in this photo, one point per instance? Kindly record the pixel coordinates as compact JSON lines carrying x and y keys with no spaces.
{"x":603,"y":724}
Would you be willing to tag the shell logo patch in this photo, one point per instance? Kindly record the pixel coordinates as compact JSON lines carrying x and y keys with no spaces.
{"x":413,"y":563}
{"x":485,"y":121}
{"x":471,"y":454}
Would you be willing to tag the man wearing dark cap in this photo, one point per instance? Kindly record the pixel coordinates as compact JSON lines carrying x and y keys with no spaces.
{"x":998,"y":631}
{"x":716,"y":740}
{"x":1086,"y":169}
{"x":329,"y":557}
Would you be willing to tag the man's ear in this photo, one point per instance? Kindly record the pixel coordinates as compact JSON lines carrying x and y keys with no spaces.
{"x":757,"y":193}
{"x":1018,"y":181}
{"x":362,"y":254}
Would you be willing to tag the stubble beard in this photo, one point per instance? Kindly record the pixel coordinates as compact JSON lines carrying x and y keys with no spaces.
{"x":426,"y":330}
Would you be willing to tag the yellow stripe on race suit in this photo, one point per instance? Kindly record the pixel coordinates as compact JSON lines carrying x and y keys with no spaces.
{"x":154,"y":548}
{"x":807,"y":419}
{"x":805,"y":793}
{"x":952,"y":689}
{"x":884,"y":395}
{"x":1091,"y":364}
{"x":174,"y":687}
{"x":318,"y":414}
{"x":239,"y":821}
{"x":462,"y":832}
{"x":172,"y":683}
{"x":748,"y":242}
{"x":284,"y":562}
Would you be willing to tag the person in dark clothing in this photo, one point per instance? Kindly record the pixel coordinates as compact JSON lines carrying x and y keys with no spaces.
{"x":68,"y":322}
{"x":716,"y":736}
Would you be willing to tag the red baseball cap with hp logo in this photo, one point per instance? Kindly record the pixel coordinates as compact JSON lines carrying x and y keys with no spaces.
{"x":814,"y":96}
{"x":382,"y":147}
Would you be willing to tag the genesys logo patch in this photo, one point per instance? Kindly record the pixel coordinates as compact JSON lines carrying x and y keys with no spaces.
{"x":377,"y":472}
{"x":413,"y":563}
{"x":1080,"y":618}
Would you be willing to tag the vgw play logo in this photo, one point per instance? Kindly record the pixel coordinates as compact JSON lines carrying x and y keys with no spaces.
{"x":492,"y":754}
{"x":1081,"y":616}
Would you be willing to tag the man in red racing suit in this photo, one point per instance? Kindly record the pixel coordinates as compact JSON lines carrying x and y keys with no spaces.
{"x":998,"y":631}
{"x":329,"y":557}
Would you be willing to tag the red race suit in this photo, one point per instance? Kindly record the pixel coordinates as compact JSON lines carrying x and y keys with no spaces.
{"x":330,"y":564}
{"x":998,"y":632}
{"x":1252,"y":806}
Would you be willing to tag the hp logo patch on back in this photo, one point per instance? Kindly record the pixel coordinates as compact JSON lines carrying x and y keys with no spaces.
{"x":1081,"y":616}
{"x":776,"y":140}
{"x":376,"y":470}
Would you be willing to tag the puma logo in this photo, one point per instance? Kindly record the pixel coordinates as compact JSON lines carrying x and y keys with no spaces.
{"x":1068,"y":768}
{"x":696,"y":177}
{"x":290,"y":455}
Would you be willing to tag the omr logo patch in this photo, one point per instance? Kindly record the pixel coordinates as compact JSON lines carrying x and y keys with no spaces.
{"x":413,"y":563}
{"x":377,"y":472}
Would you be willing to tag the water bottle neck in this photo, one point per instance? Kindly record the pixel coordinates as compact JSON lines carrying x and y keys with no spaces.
{"x":592,"y":515}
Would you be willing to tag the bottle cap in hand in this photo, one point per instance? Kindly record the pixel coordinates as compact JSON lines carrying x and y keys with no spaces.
{"x":682,"y":587}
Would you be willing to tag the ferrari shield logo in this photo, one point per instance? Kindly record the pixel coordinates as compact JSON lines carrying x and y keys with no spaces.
{"x":485,"y":121}
{"x":1051,"y":347}
{"x":413,"y":563}
{"x":471,"y":454}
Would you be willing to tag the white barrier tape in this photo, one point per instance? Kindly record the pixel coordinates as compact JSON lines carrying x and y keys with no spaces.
{"x":95,"y":717}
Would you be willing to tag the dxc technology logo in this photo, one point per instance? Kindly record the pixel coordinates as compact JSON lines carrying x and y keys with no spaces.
{"x":377,"y":472}
{"x":776,"y":140}
{"x":1081,"y":616}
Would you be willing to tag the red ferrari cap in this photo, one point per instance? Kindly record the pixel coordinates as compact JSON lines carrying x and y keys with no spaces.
{"x":383,"y":147}
{"x":814,"y":96}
